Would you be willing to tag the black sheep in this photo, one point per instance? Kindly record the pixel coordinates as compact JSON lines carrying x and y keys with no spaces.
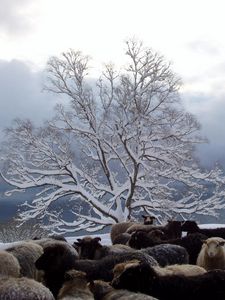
{"x":142,"y":278}
{"x":192,"y":243}
{"x":167,"y":254}
{"x":191,"y":227}
{"x":55,"y":261}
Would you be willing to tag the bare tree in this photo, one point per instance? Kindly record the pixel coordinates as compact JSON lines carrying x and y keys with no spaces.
{"x":122,"y":146}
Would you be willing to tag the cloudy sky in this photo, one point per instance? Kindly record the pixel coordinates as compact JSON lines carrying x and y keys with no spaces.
{"x":190,"y":34}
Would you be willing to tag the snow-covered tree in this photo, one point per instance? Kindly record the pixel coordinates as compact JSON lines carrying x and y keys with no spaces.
{"x":120,"y":146}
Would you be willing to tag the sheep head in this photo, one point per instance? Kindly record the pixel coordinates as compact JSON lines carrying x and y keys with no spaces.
{"x":57,"y":257}
{"x":148,"y":220}
{"x":213,"y":246}
{"x":87,"y":247}
{"x":134,"y":276}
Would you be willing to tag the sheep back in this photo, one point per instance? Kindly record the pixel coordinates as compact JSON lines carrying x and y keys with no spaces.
{"x":186,"y":270}
{"x":23,"y":289}
{"x":119,"y":228}
{"x":122,"y":238}
{"x":9,"y":264}
{"x":167,"y":254}
{"x":27,"y":253}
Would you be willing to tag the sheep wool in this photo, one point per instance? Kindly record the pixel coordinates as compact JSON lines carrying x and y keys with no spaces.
{"x":27,"y":253}
{"x":23,"y":289}
{"x":75,"y":287}
{"x":9,"y":264}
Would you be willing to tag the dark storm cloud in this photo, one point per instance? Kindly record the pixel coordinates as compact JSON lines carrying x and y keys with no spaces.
{"x":21,"y":94}
{"x":15,"y":17}
{"x":210,"y":112}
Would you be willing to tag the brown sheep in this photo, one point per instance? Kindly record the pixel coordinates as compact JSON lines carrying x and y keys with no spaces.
{"x":122,"y":227}
{"x":75,"y":287}
{"x":119,"y":228}
{"x":212,"y":254}
{"x":119,"y":268}
{"x":172,"y":229}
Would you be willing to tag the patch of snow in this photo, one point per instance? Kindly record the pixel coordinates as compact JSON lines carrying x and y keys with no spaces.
{"x":211,"y":225}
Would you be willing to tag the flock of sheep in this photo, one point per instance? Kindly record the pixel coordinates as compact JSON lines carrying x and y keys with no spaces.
{"x":144,"y":262}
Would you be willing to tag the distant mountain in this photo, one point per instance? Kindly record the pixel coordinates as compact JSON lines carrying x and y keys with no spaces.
{"x":9,"y":205}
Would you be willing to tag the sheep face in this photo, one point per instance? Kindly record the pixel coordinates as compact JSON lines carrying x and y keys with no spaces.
{"x":87,"y":247}
{"x":75,"y":275}
{"x":213,"y":247}
{"x":139,"y":239}
{"x":148,"y":220}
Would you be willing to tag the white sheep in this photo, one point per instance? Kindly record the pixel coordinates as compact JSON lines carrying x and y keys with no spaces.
{"x":27,"y":253}
{"x":9,"y":264}
{"x":186,"y":270}
{"x":23,"y":288}
{"x":212,"y":254}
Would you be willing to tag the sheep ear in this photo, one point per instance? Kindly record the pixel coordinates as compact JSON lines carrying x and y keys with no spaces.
{"x":77,"y":243}
{"x":144,"y":217}
{"x":67,"y":276}
{"x":204,"y":241}
{"x":91,"y":284}
{"x":97,"y":239}
{"x":153,"y":218}
{"x":222,"y":243}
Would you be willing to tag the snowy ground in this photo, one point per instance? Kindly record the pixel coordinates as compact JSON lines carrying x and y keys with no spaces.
{"x":105,"y":238}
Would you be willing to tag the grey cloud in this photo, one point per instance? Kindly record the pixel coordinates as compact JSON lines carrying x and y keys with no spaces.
{"x":21,"y":94}
{"x":15,"y":17}
{"x":210,"y":111}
